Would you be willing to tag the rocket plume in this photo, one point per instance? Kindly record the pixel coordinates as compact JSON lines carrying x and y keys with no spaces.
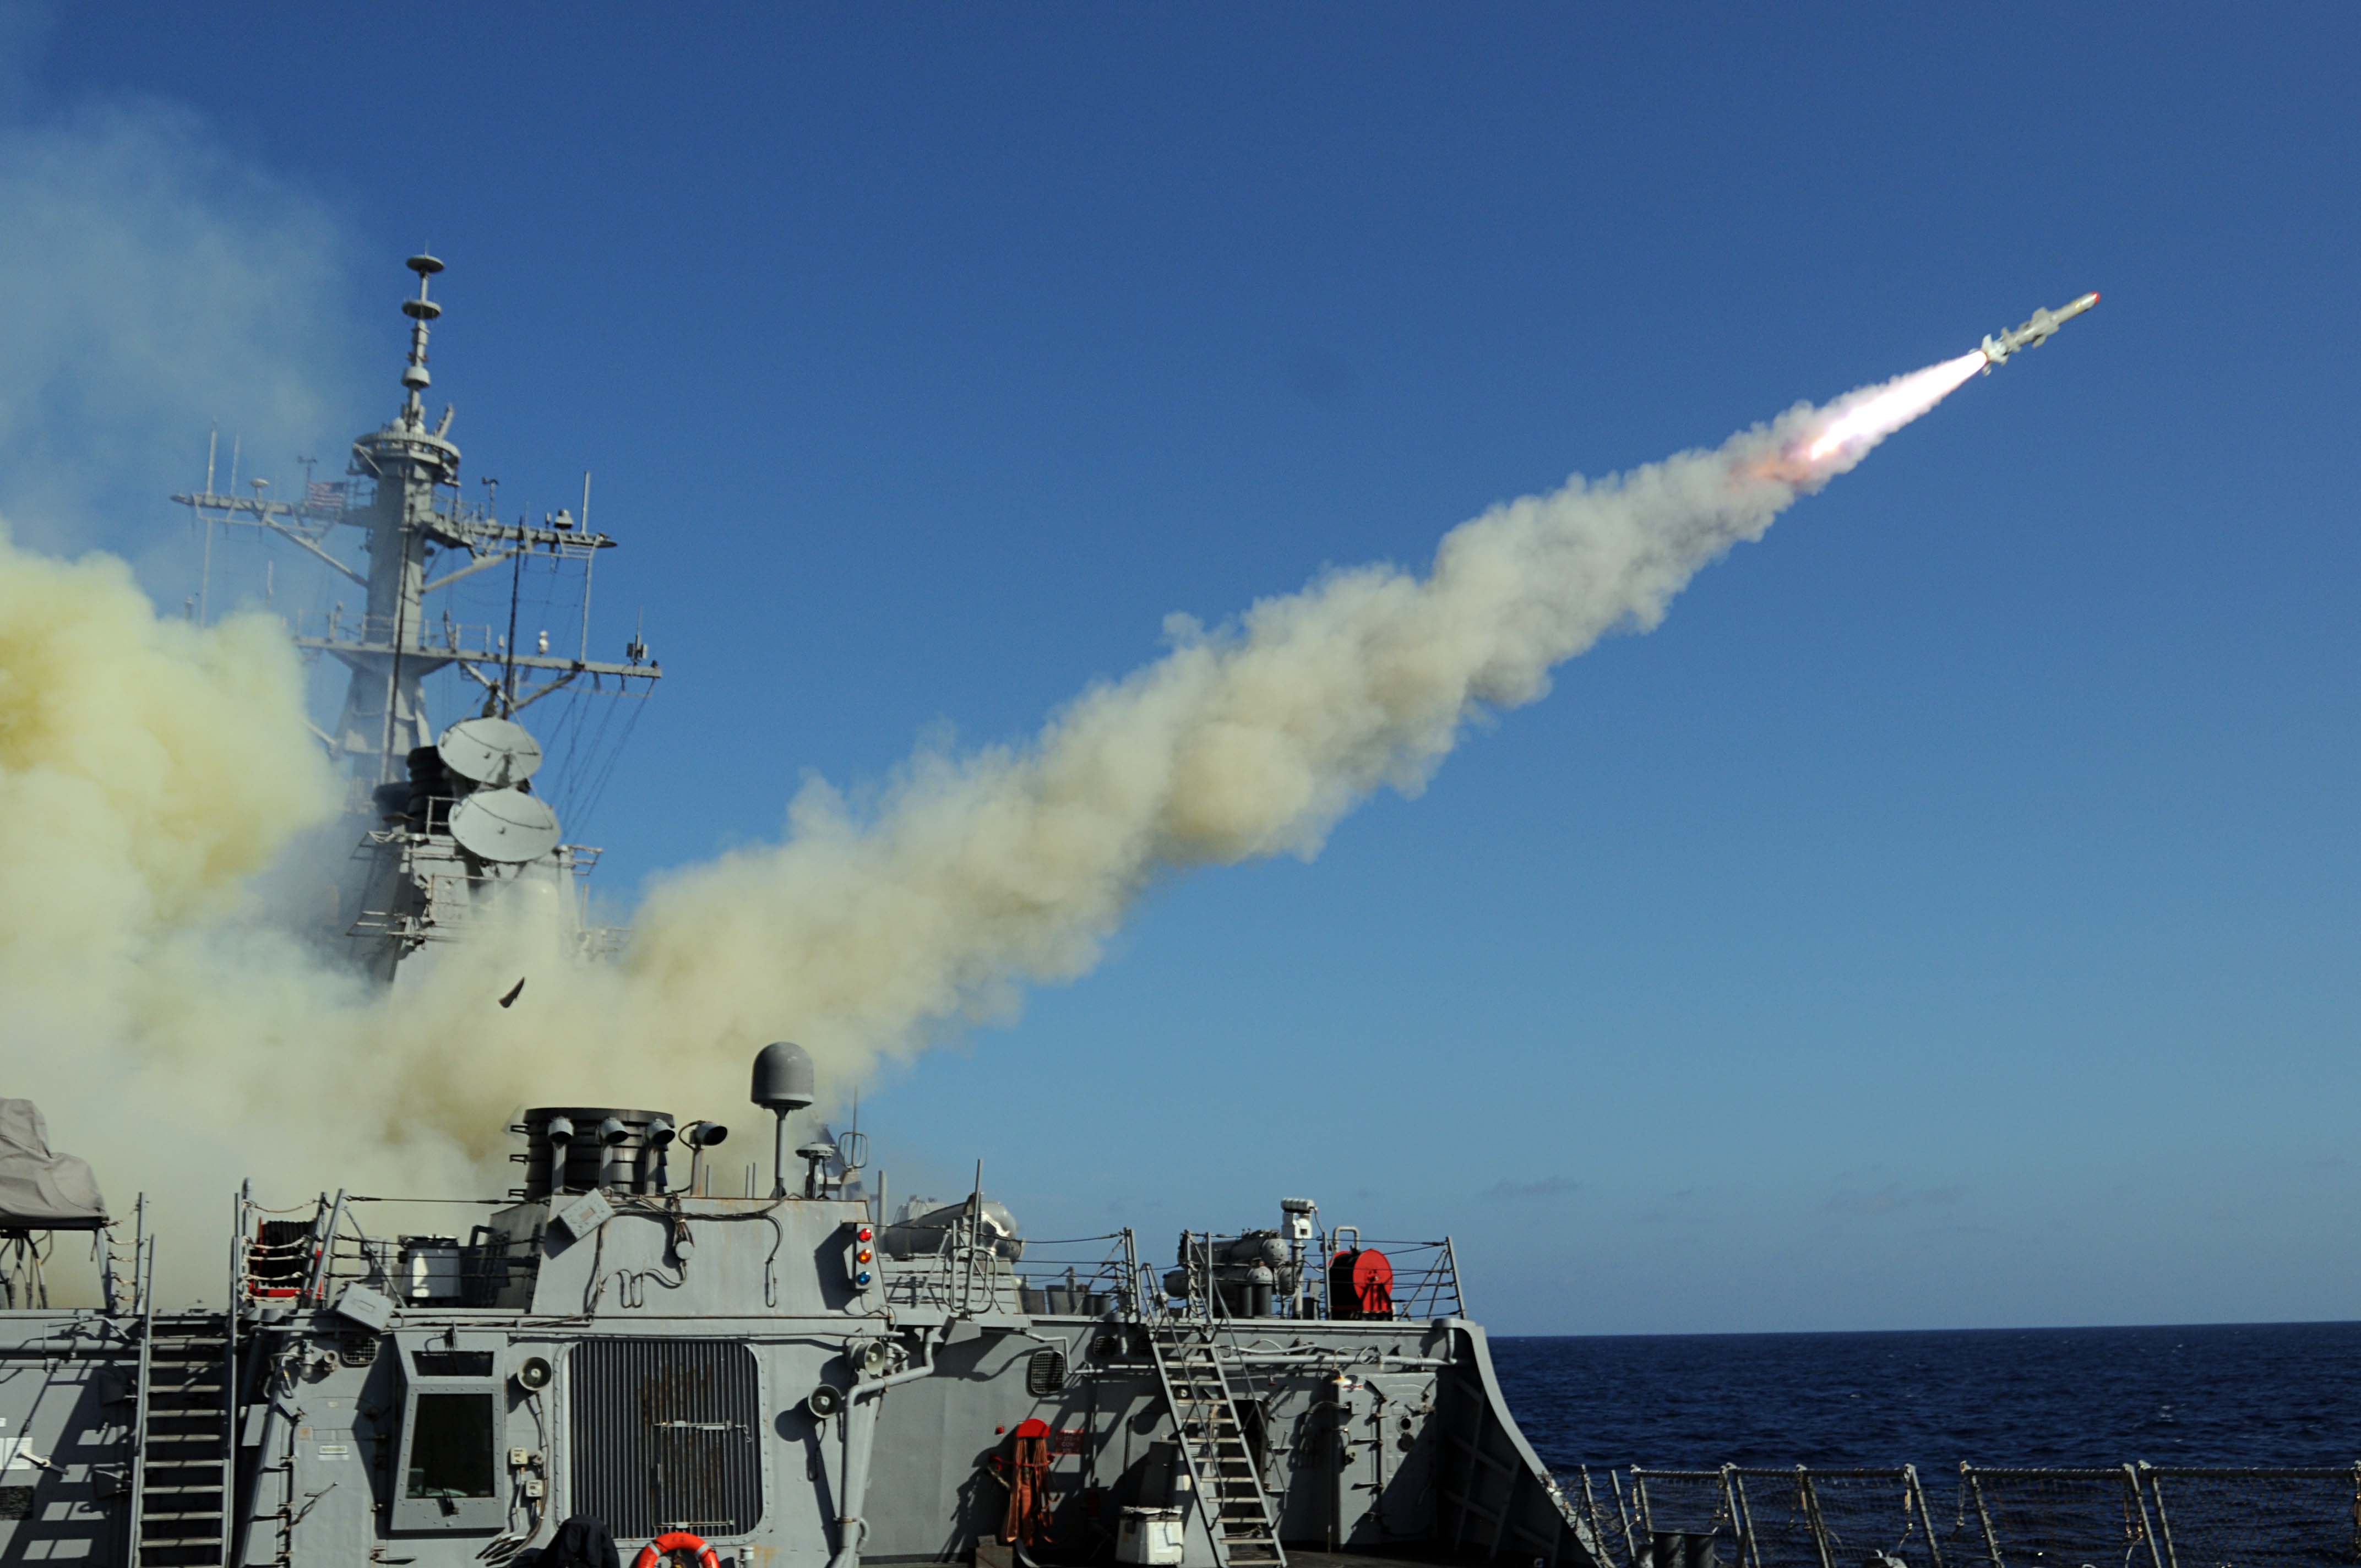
{"x":1869,"y":415}
{"x":149,"y":988}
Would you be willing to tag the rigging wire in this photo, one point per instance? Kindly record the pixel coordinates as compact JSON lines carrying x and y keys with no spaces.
{"x":591,"y":752}
{"x":566,"y":734}
{"x":598,"y":791}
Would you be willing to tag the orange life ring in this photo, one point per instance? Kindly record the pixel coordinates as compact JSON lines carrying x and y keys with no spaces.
{"x":674,"y":1541}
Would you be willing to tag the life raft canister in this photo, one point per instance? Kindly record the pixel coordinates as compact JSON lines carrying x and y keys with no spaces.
{"x":674,"y":1541}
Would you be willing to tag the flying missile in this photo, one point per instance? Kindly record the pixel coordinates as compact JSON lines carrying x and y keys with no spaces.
{"x":2035,"y":332}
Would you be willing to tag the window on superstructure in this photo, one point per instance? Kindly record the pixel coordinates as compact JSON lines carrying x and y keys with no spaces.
{"x":451,"y":1448}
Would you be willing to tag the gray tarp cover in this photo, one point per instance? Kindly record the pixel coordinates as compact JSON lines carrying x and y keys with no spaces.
{"x":40,"y":1191}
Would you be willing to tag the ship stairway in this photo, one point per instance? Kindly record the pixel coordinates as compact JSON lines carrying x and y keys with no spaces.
{"x":1221,"y":1465}
{"x":179,"y":1470}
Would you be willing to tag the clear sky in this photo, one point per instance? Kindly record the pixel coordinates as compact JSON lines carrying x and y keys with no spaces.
{"x":1947,"y":917}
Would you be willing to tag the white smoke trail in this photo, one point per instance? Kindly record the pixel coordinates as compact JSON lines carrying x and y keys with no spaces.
{"x":865,"y":934}
{"x":148,"y":770}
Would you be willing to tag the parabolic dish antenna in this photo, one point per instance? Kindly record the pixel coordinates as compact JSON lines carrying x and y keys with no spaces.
{"x":504,"y":825}
{"x":496,"y":751}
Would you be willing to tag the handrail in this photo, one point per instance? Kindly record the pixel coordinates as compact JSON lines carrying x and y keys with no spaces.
{"x":325,"y":1246}
{"x":230,"y":1315}
{"x":1458,"y":1291}
{"x":147,"y":1295}
{"x":1425,"y":1272}
{"x":1999,"y":1515}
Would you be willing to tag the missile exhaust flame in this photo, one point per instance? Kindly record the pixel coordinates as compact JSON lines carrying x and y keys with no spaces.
{"x":1857,"y":422}
{"x":1870,"y":416}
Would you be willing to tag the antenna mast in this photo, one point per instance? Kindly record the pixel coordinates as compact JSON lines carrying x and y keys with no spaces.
{"x":402,"y":493}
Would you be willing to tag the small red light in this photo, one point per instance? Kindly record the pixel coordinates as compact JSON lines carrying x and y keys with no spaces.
{"x":866,"y":1233}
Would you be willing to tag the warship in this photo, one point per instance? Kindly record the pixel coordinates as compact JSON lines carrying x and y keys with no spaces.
{"x":801,"y":1371}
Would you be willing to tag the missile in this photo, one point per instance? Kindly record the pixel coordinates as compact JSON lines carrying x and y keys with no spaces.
{"x":2035,"y":332}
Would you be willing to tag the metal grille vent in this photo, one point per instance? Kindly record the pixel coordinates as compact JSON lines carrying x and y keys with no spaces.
{"x":667,"y":1436}
{"x":1045,"y":1373}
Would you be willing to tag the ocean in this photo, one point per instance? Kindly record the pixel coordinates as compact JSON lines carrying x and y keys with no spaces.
{"x":2278,"y":1394}
{"x":2052,"y":1422}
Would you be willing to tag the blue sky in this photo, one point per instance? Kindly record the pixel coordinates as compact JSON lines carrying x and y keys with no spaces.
{"x":1947,"y":918}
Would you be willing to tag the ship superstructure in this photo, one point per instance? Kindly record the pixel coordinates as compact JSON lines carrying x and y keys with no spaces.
{"x":443,"y":821}
{"x":794,"y":1373}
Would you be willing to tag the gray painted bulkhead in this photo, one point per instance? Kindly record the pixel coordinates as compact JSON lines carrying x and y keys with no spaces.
{"x":66,"y":1379}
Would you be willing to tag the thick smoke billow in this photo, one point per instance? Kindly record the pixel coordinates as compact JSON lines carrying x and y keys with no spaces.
{"x":149,"y":771}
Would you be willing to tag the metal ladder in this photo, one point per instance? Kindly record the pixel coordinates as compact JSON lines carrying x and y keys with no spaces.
{"x":1205,"y":1418}
{"x":182,"y":1495}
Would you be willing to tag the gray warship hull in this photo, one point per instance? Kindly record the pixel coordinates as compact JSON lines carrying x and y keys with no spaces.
{"x":792,"y":1378}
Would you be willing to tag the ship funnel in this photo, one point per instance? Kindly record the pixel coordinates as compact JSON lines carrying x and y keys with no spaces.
{"x":616,"y":1171}
{"x":700,"y":1136}
{"x":577,"y":1148}
{"x":657,"y":1138}
{"x":784,"y":1084}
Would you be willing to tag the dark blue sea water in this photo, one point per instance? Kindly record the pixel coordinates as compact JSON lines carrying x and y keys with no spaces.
{"x":2225,"y":1394}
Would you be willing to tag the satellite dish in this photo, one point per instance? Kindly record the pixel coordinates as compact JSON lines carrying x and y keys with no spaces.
{"x":496,"y":751}
{"x":504,"y":825}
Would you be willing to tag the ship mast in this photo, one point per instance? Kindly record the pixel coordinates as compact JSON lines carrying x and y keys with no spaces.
{"x":420,"y":872}
{"x":403,"y":496}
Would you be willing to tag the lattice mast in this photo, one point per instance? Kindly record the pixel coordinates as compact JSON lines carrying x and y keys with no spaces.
{"x":440,"y":831}
{"x":406,"y":503}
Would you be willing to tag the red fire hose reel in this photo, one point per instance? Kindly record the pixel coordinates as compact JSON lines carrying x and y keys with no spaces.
{"x":1027,"y":1476}
{"x":1360,"y":1284}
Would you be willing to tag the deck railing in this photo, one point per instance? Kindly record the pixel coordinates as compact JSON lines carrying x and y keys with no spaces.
{"x":1425,"y":1279}
{"x":2123,"y":1515}
{"x":304,"y":1255}
{"x":1065,"y":1277}
{"x":1083,"y":1277}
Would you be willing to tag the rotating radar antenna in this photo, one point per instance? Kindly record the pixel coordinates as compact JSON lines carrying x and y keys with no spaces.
{"x":489,"y":750}
{"x":506,"y":826}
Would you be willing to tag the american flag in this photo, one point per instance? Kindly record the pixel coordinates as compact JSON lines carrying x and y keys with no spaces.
{"x":322,"y":497}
